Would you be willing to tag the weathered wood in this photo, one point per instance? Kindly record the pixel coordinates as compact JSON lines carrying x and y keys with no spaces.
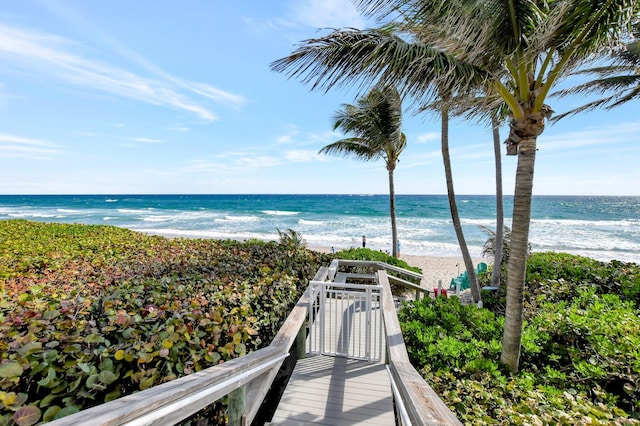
{"x":423,"y":405}
{"x":325,"y":390}
{"x":399,"y":270}
{"x":301,"y":343}
{"x":408,"y":284}
{"x":180,"y":398}
{"x":235,"y":407}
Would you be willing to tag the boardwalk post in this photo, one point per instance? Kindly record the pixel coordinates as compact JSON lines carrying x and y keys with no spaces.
{"x":235,"y":407}
{"x":301,"y":342}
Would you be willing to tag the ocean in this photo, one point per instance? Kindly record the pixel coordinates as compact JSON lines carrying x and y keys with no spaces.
{"x":602,"y":228}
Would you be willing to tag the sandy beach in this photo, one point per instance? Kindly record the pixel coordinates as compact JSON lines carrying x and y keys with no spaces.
{"x":439,"y":269}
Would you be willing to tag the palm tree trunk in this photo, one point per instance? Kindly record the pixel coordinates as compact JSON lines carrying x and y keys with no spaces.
{"x":392,"y":209}
{"x":455,"y":217}
{"x":511,"y":340}
{"x":497,"y":257}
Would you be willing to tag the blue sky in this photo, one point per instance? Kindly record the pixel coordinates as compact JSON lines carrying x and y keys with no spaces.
{"x":104,"y":97}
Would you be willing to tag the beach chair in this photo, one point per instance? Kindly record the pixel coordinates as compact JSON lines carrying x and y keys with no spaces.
{"x":462,"y":281}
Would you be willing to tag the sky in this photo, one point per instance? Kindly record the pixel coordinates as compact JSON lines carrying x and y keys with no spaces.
{"x":174,"y":97}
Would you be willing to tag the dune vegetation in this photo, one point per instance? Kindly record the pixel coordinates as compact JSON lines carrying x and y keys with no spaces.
{"x":91,"y":313}
{"x":580,"y":352}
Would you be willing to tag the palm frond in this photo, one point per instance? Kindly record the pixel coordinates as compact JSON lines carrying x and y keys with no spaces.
{"x":353,"y":58}
{"x":356,"y":147}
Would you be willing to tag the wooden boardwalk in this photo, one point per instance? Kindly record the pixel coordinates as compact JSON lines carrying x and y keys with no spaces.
{"x":336,"y":391}
{"x":347,"y":389}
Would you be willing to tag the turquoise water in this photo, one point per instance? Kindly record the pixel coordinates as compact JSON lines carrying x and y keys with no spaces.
{"x":603,"y":228}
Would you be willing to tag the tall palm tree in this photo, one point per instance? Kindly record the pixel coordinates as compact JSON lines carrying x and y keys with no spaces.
{"x":375,"y":124}
{"x":497,"y":257}
{"x":453,"y":205}
{"x":520,"y":47}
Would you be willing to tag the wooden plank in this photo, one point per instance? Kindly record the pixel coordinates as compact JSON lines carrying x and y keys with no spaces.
{"x":407,"y":284}
{"x":327,"y":390}
{"x":424,"y":406}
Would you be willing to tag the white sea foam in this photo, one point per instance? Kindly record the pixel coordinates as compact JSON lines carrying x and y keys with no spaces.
{"x":135,"y":211}
{"x":109,"y":200}
{"x":279,"y":213}
{"x":33,"y":215}
{"x":158,"y":218}
{"x":311,"y":222}
{"x":229,"y":218}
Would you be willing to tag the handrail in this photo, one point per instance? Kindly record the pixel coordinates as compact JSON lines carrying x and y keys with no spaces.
{"x":178,"y":399}
{"x":374,"y":264}
{"x":423,"y":406}
{"x":337,"y":263}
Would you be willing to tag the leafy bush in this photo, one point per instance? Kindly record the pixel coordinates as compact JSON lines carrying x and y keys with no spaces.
{"x":91,"y":313}
{"x":291,"y":239}
{"x":553,"y":277}
{"x":557,"y":276}
{"x":580,"y":361}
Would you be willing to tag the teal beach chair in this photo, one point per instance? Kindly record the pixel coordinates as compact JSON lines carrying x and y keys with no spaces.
{"x":462,"y":280}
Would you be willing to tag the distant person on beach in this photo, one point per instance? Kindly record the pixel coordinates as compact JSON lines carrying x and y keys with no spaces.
{"x":364,"y":241}
{"x":398,"y":248}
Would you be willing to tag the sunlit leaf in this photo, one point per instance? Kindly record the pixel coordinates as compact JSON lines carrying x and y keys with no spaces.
{"x":50,"y":414}
{"x":27,"y":416}
{"x":107,"y":377}
{"x":10,"y":370}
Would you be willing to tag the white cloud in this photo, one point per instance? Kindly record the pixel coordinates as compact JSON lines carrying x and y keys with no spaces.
{"x":52,"y":56}
{"x":301,"y":155}
{"x":326,"y":13}
{"x":610,"y":135}
{"x":17,"y":146}
{"x":244,"y":161}
{"x":145,"y":140}
{"x":427,"y":137}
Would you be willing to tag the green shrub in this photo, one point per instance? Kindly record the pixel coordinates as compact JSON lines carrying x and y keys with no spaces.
{"x":553,"y":277}
{"x":559,"y":276}
{"x":90,"y":313}
{"x":580,"y":361}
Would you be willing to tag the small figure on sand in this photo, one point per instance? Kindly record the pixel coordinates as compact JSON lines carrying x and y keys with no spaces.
{"x":364,"y":241}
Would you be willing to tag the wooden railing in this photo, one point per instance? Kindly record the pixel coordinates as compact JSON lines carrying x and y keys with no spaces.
{"x":397,"y":275}
{"x":416,"y":401}
{"x":246,"y":380}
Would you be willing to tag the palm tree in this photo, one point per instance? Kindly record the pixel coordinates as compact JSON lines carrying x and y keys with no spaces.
{"x":520,"y":47}
{"x":499,"y":234}
{"x":619,"y":81}
{"x":453,"y":206}
{"x":376,"y":125}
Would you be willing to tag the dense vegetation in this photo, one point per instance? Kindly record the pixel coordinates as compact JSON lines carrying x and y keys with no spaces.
{"x":580,"y":356}
{"x":91,"y":313}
